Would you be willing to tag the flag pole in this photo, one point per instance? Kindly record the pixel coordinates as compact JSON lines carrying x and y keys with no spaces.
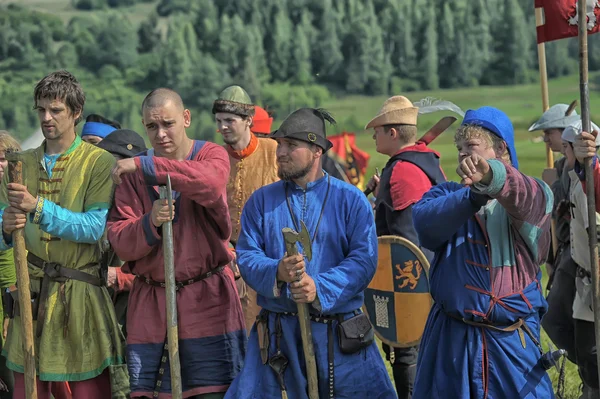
{"x":539,"y":21}
{"x":589,"y":176}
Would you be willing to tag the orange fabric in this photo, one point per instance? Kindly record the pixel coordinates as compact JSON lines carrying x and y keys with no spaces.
{"x":252,"y":146}
{"x":124,"y":280}
{"x":262,"y":121}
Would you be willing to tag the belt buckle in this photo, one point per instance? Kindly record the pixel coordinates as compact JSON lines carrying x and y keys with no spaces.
{"x":163,"y":285}
{"x":208,"y":274}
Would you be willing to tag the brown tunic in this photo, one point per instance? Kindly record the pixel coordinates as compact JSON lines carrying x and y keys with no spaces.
{"x":251,"y":168}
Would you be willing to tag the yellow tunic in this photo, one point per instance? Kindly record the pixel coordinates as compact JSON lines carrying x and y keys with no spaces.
{"x":92,"y":341}
{"x":252,"y":168}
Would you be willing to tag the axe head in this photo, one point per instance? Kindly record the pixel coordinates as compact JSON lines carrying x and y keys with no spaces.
{"x":12,"y":154}
{"x":292,"y":237}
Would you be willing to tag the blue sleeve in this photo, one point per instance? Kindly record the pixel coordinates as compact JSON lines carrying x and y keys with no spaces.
{"x":580,"y":170}
{"x":257,"y":269}
{"x":441,"y":212}
{"x":83,"y":227}
{"x":343,"y":282}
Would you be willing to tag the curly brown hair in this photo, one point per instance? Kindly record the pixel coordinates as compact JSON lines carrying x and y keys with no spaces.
{"x":64,"y":86}
{"x":467,"y":132}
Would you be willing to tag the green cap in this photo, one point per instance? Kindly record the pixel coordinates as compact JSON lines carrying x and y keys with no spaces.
{"x":234,"y":100}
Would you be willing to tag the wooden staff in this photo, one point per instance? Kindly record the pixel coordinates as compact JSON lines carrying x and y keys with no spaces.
{"x":171,"y":295}
{"x":589,"y":172}
{"x":539,"y":21}
{"x":15,"y":174}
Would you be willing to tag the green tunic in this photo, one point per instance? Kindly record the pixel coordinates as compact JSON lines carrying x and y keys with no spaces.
{"x":92,"y":340}
{"x":8,"y":275}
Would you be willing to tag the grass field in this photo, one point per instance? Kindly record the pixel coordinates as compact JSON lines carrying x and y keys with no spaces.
{"x":65,"y":10}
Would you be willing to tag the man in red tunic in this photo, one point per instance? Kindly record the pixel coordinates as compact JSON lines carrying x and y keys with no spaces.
{"x":212,"y":338}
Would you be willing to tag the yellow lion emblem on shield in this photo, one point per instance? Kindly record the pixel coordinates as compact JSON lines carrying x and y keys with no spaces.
{"x":407,"y":273}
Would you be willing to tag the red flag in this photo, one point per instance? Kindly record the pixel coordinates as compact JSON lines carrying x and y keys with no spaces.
{"x":353,"y":159}
{"x":561,"y":19}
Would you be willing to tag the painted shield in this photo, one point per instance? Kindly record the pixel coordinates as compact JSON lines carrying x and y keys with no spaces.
{"x":398,"y":301}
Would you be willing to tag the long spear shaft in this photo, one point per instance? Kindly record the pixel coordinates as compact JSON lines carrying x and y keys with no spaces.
{"x":589,"y":176}
{"x":15,"y":173}
{"x":171,"y":296}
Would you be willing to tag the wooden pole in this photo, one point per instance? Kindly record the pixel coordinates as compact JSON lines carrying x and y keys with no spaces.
{"x":15,"y":174}
{"x":539,"y":21}
{"x":171,"y":296}
{"x":589,"y":173}
{"x":289,"y":237}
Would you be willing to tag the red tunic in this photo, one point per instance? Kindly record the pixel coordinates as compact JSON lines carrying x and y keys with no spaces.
{"x":211,"y":323}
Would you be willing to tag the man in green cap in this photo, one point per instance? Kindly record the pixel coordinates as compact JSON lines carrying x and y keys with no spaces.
{"x":253,"y":164}
{"x":558,"y":322}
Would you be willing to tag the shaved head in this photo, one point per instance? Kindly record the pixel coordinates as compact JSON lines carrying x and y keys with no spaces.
{"x":160,"y":97}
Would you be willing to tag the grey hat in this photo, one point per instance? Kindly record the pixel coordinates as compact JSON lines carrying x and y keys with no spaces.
{"x":554,"y":118}
{"x":572,"y":131}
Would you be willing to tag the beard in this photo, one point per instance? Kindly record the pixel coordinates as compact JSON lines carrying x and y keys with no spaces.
{"x":288,"y":171}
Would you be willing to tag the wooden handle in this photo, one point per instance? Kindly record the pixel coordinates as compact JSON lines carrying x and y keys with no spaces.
{"x":306,"y":333}
{"x":15,"y":174}
{"x":171,"y":299}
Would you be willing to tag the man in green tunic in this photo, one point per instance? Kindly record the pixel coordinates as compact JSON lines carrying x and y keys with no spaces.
{"x":63,"y":205}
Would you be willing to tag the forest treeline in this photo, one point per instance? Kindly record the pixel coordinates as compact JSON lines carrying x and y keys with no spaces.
{"x":286,"y":53}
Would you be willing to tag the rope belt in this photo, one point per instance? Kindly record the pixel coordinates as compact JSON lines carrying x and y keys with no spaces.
{"x":520,"y":326}
{"x":57,"y":273}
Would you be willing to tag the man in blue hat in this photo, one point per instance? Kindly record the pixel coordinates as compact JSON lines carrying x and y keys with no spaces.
{"x":490,"y":234}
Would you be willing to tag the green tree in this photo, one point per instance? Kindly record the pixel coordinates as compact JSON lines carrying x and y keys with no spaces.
{"x":280,"y":52}
{"x":301,"y":67}
{"x":149,"y":34}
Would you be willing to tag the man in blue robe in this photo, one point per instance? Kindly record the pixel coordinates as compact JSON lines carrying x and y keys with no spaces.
{"x":489,"y":234}
{"x":339,"y":220}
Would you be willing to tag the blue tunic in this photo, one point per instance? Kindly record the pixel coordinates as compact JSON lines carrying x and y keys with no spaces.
{"x":344,"y":260}
{"x":484,"y":273}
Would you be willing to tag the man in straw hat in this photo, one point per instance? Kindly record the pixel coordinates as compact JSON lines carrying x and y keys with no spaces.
{"x":410,"y":172}
{"x":339,"y":222}
{"x":490,"y":234}
{"x":558,"y":322}
{"x":253,"y":165}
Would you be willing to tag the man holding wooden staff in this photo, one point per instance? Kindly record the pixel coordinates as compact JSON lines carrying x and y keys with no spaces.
{"x":212,"y":337}
{"x":62,"y":205}
{"x":340,"y":247}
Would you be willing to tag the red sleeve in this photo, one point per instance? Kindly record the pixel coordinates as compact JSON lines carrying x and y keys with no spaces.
{"x":407,"y":185}
{"x":203,"y":179}
{"x":131,"y":233}
{"x":124,"y":280}
{"x":596,"y":183}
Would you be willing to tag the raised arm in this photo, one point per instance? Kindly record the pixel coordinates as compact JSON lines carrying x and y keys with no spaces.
{"x":343,"y":282}
{"x":441,"y":212}
{"x":203,"y":180}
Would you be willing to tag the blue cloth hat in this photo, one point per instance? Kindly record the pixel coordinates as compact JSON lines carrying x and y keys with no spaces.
{"x":497,"y":122}
{"x":97,"y":129}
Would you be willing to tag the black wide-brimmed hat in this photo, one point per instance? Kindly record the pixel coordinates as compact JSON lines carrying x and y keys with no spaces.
{"x":123,"y":143}
{"x":306,"y":124}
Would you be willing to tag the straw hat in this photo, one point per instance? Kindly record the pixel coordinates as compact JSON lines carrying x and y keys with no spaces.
{"x":397,"y":110}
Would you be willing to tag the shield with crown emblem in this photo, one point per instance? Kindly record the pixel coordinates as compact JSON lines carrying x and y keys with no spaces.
{"x":397,"y":301}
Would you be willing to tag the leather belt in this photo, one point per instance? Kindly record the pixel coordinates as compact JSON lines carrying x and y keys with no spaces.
{"x":180,"y":284}
{"x":56,"y":272}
